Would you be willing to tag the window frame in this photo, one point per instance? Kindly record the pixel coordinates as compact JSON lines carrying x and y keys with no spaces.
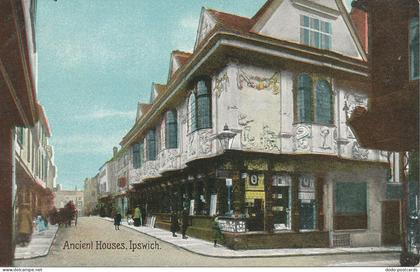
{"x":171,"y":123}
{"x":195,"y":116}
{"x":314,"y":99}
{"x":412,"y":22}
{"x":320,"y":32}
{"x":149,"y":140}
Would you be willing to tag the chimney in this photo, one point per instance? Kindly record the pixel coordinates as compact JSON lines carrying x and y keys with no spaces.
{"x":360,"y":22}
{"x":115,"y":150}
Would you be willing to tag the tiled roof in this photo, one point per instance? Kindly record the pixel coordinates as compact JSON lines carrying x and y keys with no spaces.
{"x":160,"y":88}
{"x":233,"y":22}
{"x":44,"y":119}
{"x":181,"y":56}
{"x":145,"y":108}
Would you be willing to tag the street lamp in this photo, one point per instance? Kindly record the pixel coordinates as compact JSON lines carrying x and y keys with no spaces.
{"x":226,"y":137}
{"x":226,"y":140}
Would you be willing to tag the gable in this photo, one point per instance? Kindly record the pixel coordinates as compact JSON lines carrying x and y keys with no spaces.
{"x":205,"y":25}
{"x":283,"y":20}
{"x":178,"y":59}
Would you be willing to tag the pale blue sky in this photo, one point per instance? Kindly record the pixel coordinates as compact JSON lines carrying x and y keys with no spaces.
{"x":98,"y":58}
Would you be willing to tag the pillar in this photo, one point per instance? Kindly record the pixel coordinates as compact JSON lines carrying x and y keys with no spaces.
{"x":236,"y":192}
{"x":319,"y":197}
{"x":268,"y":212}
{"x":295,"y":203}
{"x":7,"y":247}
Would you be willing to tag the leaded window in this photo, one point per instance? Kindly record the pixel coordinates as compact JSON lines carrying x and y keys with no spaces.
{"x":192,"y":121}
{"x":151,"y":145}
{"x":414,"y":48}
{"x":203,"y":104}
{"x":313,"y":100}
{"x":304,"y":99}
{"x":315,"y":32}
{"x":171,"y":129}
{"x":136,"y":155}
{"x":323,"y":102}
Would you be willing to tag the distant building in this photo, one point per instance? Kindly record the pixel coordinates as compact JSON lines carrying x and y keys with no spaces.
{"x":62,"y":197}
{"x":90,"y":195}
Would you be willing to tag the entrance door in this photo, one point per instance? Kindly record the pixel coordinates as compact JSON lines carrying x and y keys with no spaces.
{"x":281,"y":207}
{"x":391,"y":223}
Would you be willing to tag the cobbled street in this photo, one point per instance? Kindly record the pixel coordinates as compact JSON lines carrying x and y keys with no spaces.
{"x":157,"y":253}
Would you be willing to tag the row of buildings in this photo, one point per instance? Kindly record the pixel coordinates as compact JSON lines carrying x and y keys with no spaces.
{"x":27,"y":168}
{"x":253,"y":127}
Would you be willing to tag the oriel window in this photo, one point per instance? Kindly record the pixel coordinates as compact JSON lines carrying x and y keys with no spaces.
{"x":171,"y":129}
{"x":151,"y":145}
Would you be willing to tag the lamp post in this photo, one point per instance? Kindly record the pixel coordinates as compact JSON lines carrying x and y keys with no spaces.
{"x":226,"y":140}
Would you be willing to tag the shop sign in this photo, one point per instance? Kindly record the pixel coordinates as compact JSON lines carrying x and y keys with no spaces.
{"x":306,"y":195}
{"x":228,"y":182}
{"x":259,"y":165}
{"x":220,"y":173}
{"x":282,"y":180}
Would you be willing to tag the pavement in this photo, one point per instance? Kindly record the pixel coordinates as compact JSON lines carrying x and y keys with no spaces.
{"x":206,"y":248}
{"x":39,"y":246}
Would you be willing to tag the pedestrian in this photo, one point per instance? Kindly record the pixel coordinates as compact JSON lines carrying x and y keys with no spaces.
{"x":184,"y":223}
{"x":217,"y":233}
{"x":117,"y":220}
{"x":174,"y":224}
{"x":40,"y":223}
{"x":25,"y":224}
{"x":137,"y":216}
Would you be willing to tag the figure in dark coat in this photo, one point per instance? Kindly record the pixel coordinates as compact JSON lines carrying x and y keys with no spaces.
{"x":174,"y":224}
{"x":184,"y":224}
{"x":217,"y":233}
{"x":117,"y":221}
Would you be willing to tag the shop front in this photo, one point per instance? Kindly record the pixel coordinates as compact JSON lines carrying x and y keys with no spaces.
{"x":271,"y":201}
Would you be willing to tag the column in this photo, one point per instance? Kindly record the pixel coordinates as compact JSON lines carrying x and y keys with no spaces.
{"x":6,"y":207}
{"x":236,"y":192}
{"x":268,"y":212}
{"x":319,"y":196}
{"x":295,"y":203}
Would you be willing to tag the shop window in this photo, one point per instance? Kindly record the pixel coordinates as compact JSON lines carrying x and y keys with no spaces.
{"x":254,"y":200}
{"x":350,"y":205}
{"x":151,"y":145}
{"x":316,"y":33}
{"x":307,"y":201}
{"x":171,"y":129}
{"x":313,"y":100}
{"x":414,"y":48}
{"x":282,"y":202}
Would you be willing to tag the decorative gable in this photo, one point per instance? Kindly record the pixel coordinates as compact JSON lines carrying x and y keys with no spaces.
{"x":205,"y":25}
{"x":323,"y":24}
{"x":142,"y":109}
{"x":178,"y":59}
{"x":155,"y":91}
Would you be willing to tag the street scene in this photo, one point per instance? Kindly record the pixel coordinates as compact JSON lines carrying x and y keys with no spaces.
{"x":175,"y":252}
{"x":269,"y":133}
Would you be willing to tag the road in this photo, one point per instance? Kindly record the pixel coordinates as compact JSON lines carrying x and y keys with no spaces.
{"x":77,"y":246}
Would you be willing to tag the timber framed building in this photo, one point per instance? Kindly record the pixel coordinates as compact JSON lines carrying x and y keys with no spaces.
{"x":283,"y":84}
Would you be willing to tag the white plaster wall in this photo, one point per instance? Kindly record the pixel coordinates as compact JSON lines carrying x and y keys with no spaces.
{"x":284,"y":24}
{"x":375,"y":179}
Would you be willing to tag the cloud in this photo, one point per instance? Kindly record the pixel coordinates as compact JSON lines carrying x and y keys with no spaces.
{"x":86,"y":143}
{"x":183,"y":36}
{"x":102,"y":113}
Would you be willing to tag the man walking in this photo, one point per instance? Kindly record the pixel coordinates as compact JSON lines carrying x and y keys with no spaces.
{"x":184,"y":223}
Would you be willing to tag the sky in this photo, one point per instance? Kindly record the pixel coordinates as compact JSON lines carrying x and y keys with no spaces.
{"x":98,"y":58}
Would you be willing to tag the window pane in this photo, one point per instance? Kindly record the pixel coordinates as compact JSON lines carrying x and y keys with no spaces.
{"x":203,"y":105}
{"x":192,"y":113}
{"x":351,"y":198}
{"x":171,"y":129}
{"x":323,"y":102}
{"x":151,"y":145}
{"x":304,"y":98}
{"x":414,"y":48}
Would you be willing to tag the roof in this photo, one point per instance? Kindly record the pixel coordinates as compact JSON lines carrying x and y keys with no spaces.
{"x":43,"y":118}
{"x":181,"y":56}
{"x":232,"y":21}
{"x":160,"y":88}
{"x":145,"y":108}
